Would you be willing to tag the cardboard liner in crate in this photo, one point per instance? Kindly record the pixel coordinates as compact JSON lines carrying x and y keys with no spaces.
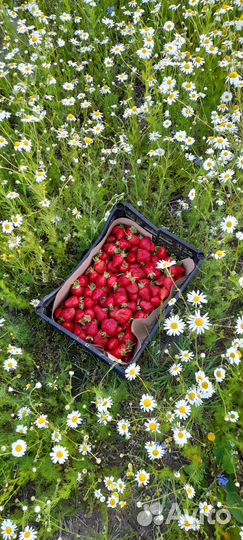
{"x":140,"y":327}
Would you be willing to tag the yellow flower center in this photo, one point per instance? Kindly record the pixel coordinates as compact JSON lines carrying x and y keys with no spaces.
{"x":59,"y":454}
{"x":205,"y":385}
{"x":196,"y":298}
{"x":152,"y":426}
{"x":8,"y":530}
{"x":174,"y":326}
{"x":199,"y":321}
{"x":75,"y":419}
{"x":142,"y":477}
{"x":27,"y":534}
{"x":147,"y":402}
{"x":181,"y":435}
{"x":229,"y":224}
{"x":19,"y":448}
{"x":233,"y":75}
{"x":182,"y":410}
{"x":211,"y":437}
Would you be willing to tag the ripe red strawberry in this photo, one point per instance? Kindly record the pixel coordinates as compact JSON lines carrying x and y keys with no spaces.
{"x":91,"y":329}
{"x":97,"y":294}
{"x":146,"y":306}
{"x":110,"y":248}
{"x":125,"y":280}
{"x":140,"y":315}
{"x":177,"y":271}
{"x":145,"y":293}
{"x":112,"y":344}
{"x":72,"y":302}
{"x":111,"y":238}
{"x":136,"y":271}
{"x":93,"y":276}
{"x":76,"y":289}
{"x":168,"y":282}
{"x":103,"y":256}
{"x":120,"y":297}
{"x":100,"y":314}
{"x":88,"y":291}
{"x":109,"y":327}
{"x":122,"y":315}
{"x":122,"y":352}
{"x":89,"y":313}
{"x":162,"y":253}
{"x":68,"y":314}
{"x":110,"y":301}
{"x":124,"y":244}
{"x":68,"y":325}
{"x":161,"y":280}
{"x":134,"y":297}
{"x":151,"y":271}
{"x":131,"y":258}
{"x":101,"y":280}
{"x":58,"y":313}
{"x":79,"y":315}
{"x":100,"y":266}
{"x":118,"y":260}
{"x":154,"y":290}
{"x":118,"y":231}
{"x":124,"y":266}
{"x":100,"y":339}
{"x":164,"y":293}
{"x":79,"y":332}
{"x":155,"y":301}
{"x":143,"y":256}
{"x":83,"y":280}
{"x":112,"y":281}
{"x":132,"y":288}
{"x":132,"y":306}
{"x":132,"y":236}
{"x":129,"y":338}
{"x":146,"y":243}
{"x":89,"y":303}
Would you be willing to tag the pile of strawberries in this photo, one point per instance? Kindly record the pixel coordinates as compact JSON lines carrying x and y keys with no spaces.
{"x":122,"y":284}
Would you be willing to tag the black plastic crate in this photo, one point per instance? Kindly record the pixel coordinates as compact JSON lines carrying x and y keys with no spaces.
{"x":160,"y":237}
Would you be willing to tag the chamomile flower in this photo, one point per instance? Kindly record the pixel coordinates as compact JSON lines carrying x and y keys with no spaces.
{"x":205,"y":508}
{"x":132,"y":371}
{"x":155,"y":450}
{"x":174,"y":326}
{"x":142,"y":478}
{"x":186,"y":356}
{"x":182,"y":409}
{"x":103,"y":404}
{"x":228,"y":224}
{"x":152,"y":425}
{"x":29,"y":533}
{"x":187,"y":522}
{"x":147,"y":403}
{"x":123,"y":428}
{"x":175,"y":370}
{"x":219,"y":374}
{"x":8,"y":529}
{"x":196,"y":298}
{"x":199,"y":323}
{"x":190,"y":491}
{"x":10,"y":364}
{"x":74,"y":419}
{"x":181,"y":436}
{"x":42,"y":422}
{"x":85,"y":448}
{"x":232,"y":416}
{"x":19,"y":448}
{"x":59,"y":455}
{"x":239,"y":325}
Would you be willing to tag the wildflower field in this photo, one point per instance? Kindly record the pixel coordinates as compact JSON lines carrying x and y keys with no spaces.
{"x":140,"y":101}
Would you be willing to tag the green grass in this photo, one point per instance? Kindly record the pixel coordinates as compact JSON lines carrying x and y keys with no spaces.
{"x":90,"y":178}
